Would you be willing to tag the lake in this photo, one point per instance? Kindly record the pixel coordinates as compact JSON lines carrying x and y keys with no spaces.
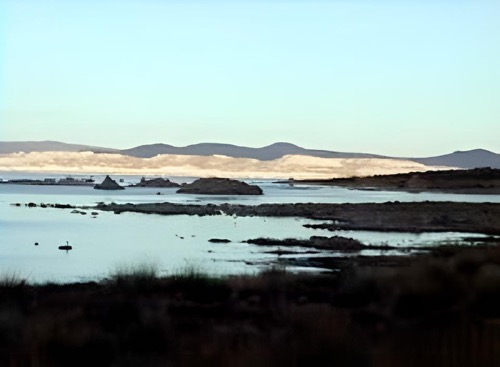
{"x":106,"y":242}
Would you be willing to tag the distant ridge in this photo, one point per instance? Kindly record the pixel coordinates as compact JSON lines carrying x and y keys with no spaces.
{"x":267,"y":153}
{"x":461,"y":159}
{"x":7,"y":147}
{"x":475,"y":158}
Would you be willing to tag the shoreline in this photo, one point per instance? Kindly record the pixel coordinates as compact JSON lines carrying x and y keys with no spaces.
{"x":477,"y":181}
{"x":391,"y":216}
{"x":413,"y":217}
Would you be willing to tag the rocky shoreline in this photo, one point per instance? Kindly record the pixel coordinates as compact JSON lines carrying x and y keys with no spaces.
{"x":391,"y":216}
{"x":412,"y":217}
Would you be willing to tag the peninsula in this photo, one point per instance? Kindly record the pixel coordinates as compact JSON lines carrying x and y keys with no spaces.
{"x":474,"y":181}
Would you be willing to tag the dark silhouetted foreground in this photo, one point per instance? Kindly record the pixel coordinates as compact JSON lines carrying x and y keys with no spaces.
{"x":436,"y":310}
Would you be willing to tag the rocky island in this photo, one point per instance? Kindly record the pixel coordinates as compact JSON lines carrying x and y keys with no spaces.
{"x":220,"y":186}
{"x":156,"y":183}
{"x":108,"y":184}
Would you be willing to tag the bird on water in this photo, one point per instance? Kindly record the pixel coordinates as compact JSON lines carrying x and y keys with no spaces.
{"x":66,"y":247}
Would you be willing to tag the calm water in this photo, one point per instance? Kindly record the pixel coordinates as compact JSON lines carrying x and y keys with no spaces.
{"x":107,"y":241}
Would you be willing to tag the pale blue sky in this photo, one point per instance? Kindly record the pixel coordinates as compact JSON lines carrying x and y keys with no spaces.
{"x":408,"y":78}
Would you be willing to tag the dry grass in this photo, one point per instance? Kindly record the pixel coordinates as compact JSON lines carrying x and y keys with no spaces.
{"x":12,"y":280}
{"x":438,"y":311}
{"x":137,"y":276}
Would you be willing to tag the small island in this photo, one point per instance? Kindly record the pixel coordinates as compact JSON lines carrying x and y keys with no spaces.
{"x":156,"y":182}
{"x":108,"y":184}
{"x":219,"y":186}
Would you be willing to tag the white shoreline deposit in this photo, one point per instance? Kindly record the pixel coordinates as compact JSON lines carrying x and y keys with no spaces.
{"x":295,"y":166}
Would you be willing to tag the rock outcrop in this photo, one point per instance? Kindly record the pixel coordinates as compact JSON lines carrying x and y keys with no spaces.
{"x":220,"y":186}
{"x":337,"y":243}
{"x":156,"y":182}
{"x":108,"y":184}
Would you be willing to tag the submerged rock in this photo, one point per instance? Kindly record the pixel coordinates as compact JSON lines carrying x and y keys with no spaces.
{"x":62,"y":206}
{"x":220,"y":186}
{"x":219,"y":240}
{"x":108,"y":184}
{"x":337,"y":243}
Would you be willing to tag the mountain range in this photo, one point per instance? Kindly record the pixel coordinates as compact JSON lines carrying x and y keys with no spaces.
{"x":461,"y":159}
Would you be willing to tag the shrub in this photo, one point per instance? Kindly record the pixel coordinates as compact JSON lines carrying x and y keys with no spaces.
{"x":142,"y":275}
{"x":12,"y":280}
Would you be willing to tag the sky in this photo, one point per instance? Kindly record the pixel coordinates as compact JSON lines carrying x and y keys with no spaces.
{"x":403,"y":78}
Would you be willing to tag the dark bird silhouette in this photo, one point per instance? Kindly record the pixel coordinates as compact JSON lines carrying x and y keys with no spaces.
{"x":66,"y":247}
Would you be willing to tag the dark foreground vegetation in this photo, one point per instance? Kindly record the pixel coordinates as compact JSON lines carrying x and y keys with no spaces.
{"x":434,"y":310}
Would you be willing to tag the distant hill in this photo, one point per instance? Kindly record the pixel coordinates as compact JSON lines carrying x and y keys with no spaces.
{"x":267,"y":153}
{"x":466,"y":159}
{"x":461,"y":159}
{"x":7,"y":147}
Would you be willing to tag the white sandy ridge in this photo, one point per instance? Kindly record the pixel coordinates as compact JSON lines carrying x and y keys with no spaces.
{"x":295,"y":166}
